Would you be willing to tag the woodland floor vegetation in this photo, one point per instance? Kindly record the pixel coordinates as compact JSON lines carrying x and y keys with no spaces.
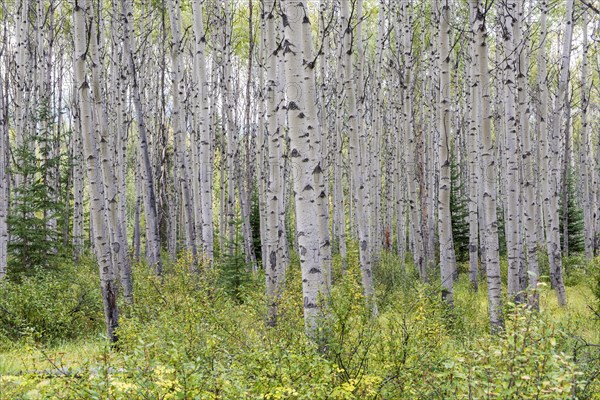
{"x":205,"y":336}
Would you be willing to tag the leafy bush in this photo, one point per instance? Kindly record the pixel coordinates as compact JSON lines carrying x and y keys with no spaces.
{"x":188,"y":336}
{"x":52,"y":305}
{"x":524,"y":362}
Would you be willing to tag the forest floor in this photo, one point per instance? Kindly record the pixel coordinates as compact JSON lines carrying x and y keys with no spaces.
{"x":185,"y":339}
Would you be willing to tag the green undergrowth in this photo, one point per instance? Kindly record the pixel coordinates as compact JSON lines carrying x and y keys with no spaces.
{"x":204,"y":337}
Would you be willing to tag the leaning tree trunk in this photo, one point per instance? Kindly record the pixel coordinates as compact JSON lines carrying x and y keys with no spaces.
{"x":149,"y":196}
{"x":120,"y":253}
{"x":96,"y":188}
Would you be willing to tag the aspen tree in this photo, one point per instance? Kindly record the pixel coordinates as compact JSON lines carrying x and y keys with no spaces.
{"x":119,"y":251}
{"x":302,"y":151}
{"x":357,"y":156}
{"x":206,"y":165}
{"x":4,"y":179}
{"x":447,"y":256}
{"x":487,"y":156}
{"x":275,"y":263}
{"x":78,"y":179}
{"x":554,"y":184}
{"x":508,"y":11}
{"x":529,"y":181}
{"x":586,"y":148}
{"x":473,"y":146}
{"x":178,"y":89}
{"x":339,"y":216}
{"x":147,"y":179}
{"x":81,"y":11}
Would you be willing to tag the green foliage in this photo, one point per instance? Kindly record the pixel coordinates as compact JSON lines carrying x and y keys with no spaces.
{"x":459,"y":208}
{"x":255,"y":224}
{"x":35,"y":240}
{"x":524,"y":362}
{"x":189,"y":336}
{"x":574,"y":217}
{"x":50,"y":306}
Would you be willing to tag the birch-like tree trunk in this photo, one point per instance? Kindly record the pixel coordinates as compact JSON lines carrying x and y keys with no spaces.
{"x":206,"y":165}
{"x":4,"y":179}
{"x":529,"y":181}
{"x":447,"y":256}
{"x":275,"y":262}
{"x":302,"y":152}
{"x":488,"y":156}
{"x":508,"y":16}
{"x":554,"y":184}
{"x":147,"y":179}
{"x":358,"y":168}
{"x":587,"y":161}
{"x":473,"y":146}
{"x":179,"y":125}
{"x":119,"y":251}
{"x":81,"y":12}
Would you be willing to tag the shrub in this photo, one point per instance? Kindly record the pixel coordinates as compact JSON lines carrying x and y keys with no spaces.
{"x":52,"y":305}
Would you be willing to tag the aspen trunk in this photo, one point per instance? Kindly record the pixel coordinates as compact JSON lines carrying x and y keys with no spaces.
{"x":305,"y":186}
{"x":512,"y":216}
{"x":149,"y":197}
{"x":4,"y":180}
{"x":178,"y":88}
{"x":447,"y":256}
{"x":554,"y":184}
{"x":96,"y":189}
{"x":587,"y":161}
{"x":489,"y":177}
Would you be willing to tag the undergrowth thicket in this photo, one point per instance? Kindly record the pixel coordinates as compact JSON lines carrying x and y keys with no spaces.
{"x":204,"y":336}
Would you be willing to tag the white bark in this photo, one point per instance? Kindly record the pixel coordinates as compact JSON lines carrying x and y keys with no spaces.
{"x":508,"y":11}
{"x":447,"y":256}
{"x":179,"y":126}
{"x":554,"y":184}
{"x":149,"y":197}
{"x":302,"y":152}
{"x":587,"y":160}
{"x":96,"y":188}
{"x":357,"y":156}
{"x":206,"y":166}
{"x":489,"y":176}
{"x":4,"y":180}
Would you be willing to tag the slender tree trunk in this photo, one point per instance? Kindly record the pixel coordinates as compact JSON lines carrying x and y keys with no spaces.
{"x":473,"y":145}
{"x":149,"y":197}
{"x":96,"y":189}
{"x":178,"y":87}
{"x":529,"y":180}
{"x":587,"y":161}
{"x":4,"y":179}
{"x":358,"y":163}
{"x":554,"y":185}
{"x":508,"y":9}
{"x":489,"y":176}
{"x":447,"y":256}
